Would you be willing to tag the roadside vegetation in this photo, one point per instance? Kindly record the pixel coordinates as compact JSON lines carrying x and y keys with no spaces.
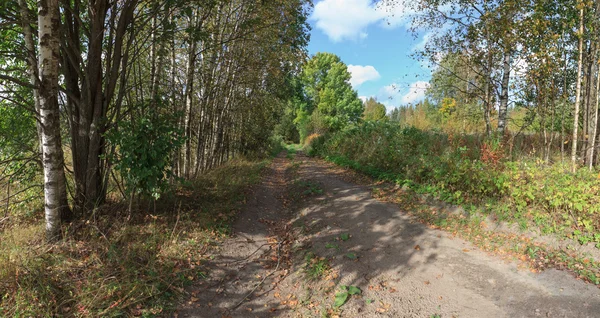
{"x":115,"y":265}
{"x":130,"y":133}
{"x":469,"y":170}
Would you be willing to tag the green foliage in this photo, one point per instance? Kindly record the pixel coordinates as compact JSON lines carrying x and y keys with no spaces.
{"x":468,"y":170}
{"x":145,"y":149}
{"x":374,"y":110}
{"x":276,"y":145}
{"x":18,"y":144}
{"x":330,"y":103}
{"x":113,"y":268}
{"x":314,"y":266}
{"x":345,"y":292}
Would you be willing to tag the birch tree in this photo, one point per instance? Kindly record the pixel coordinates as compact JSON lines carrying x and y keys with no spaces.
{"x":52,"y":152}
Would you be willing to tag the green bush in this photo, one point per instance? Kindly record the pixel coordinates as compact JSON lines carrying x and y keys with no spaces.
{"x":145,"y":149}
{"x":465,"y":169}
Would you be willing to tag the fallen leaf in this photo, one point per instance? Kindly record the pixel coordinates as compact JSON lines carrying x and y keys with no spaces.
{"x":465,"y":250}
{"x":417,"y":247}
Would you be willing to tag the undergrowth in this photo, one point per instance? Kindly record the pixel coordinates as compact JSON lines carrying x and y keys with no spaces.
{"x":471,"y":171}
{"x":110,"y":265}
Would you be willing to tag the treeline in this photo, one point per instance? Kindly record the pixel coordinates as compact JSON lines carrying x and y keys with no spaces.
{"x":100,"y":96}
{"x":523,"y":66}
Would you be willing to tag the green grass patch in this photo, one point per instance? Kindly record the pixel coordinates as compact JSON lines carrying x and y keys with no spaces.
{"x":315,"y":267}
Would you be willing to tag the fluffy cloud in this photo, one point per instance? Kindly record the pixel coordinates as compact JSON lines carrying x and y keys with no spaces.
{"x":349,"y":19}
{"x":389,"y":96}
{"x":395,"y":94}
{"x":361,"y":74}
{"x":416,"y":92}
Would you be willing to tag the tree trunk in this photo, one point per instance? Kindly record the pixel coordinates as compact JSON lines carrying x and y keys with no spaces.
{"x":488,"y":95}
{"x":503,"y":108}
{"x":88,"y":114}
{"x":594,"y":129}
{"x":31,"y":63}
{"x":189,"y":99}
{"x":577,"y":96}
{"x":53,"y":160}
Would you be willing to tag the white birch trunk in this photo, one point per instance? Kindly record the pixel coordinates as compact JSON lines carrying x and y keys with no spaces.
{"x":577,"y":96}
{"x":595,"y":126}
{"x":52,"y":154}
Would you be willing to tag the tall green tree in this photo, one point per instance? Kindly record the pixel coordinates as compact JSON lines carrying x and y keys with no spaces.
{"x":332,"y":103}
{"x":374,"y":110}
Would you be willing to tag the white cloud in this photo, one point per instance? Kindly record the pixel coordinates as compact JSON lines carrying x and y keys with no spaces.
{"x":394,"y":13}
{"x":361,"y":74}
{"x":395,"y":94}
{"x":389,"y":96}
{"x":420,"y":46}
{"x":416,"y":92}
{"x":388,"y":106}
{"x":348,"y":19}
{"x":363,"y":98}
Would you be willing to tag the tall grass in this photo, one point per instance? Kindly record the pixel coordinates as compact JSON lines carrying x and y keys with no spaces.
{"x":113,"y":266}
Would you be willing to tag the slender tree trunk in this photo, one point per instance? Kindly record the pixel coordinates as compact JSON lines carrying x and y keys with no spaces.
{"x":53,"y":160}
{"x":591,"y":111}
{"x":503,"y":108}
{"x":577,"y":96}
{"x":31,"y":63}
{"x":488,"y":94}
{"x":189,"y":99}
{"x":562,"y":112}
{"x":595,"y":124}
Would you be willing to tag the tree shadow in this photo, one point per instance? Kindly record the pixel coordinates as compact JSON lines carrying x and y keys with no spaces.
{"x":382,"y":243}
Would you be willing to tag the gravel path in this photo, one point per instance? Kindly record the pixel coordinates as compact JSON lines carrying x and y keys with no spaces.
{"x":403,"y":268}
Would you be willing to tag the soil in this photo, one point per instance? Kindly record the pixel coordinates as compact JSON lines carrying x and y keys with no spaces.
{"x":307,"y":211}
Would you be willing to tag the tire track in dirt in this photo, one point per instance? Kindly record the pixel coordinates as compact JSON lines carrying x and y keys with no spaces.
{"x":403,"y":268}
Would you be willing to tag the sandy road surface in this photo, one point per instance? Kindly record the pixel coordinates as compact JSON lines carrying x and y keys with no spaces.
{"x":403,"y":268}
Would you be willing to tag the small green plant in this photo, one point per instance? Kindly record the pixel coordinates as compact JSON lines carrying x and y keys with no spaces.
{"x":352,"y":256}
{"x":341,"y":297}
{"x":310,"y":187}
{"x":331,"y":245}
{"x":145,"y":147}
{"x":315,"y":267}
{"x":344,"y":237}
{"x":532,"y":251}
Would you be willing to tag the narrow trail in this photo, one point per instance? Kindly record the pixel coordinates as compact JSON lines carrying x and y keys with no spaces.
{"x":403,"y":268}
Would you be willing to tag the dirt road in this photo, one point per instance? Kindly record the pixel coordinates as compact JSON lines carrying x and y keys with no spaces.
{"x":343,"y":236}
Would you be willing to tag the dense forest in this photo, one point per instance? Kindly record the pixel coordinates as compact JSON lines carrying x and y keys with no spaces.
{"x":150,"y":90}
{"x":114,"y":108}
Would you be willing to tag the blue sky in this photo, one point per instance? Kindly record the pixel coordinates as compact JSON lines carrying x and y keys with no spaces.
{"x":375,"y":43}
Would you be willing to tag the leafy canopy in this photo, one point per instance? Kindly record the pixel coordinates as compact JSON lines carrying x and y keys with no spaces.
{"x":332,"y":104}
